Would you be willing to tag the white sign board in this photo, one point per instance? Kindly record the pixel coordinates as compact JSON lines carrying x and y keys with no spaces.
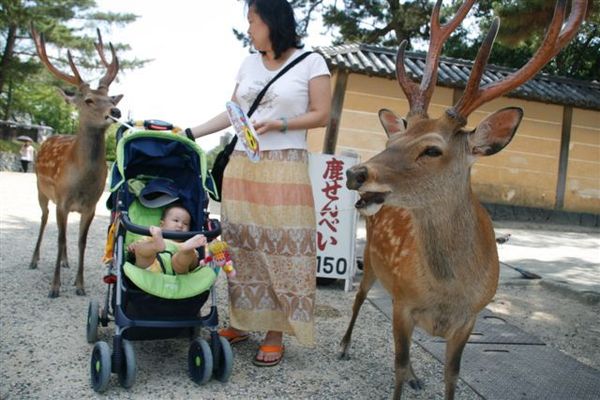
{"x":336,"y":216}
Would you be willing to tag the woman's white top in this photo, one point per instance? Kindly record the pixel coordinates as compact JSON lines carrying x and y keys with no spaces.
{"x":287,"y":97}
{"x":27,"y":153}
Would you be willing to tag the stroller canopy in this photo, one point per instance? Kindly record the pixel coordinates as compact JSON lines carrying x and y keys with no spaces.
{"x":147,"y":155}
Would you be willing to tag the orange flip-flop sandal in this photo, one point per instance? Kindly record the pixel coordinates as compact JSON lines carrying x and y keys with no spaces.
{"x":265,"y":348}
{"x":232,"y":336}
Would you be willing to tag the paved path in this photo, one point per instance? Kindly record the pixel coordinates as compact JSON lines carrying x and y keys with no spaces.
{"x":566,"y":261}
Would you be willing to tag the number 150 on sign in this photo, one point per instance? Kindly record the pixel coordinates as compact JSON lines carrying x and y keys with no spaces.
{"x":331,"y":266}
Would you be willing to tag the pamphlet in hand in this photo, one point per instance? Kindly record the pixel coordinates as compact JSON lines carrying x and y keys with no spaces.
{"x":244,"y":130}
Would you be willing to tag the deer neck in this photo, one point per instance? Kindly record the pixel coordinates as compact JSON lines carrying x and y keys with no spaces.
{"x":447,"y":231}
{"x":90,"y":147}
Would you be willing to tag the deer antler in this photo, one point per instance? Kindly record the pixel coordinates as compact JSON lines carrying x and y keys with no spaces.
{"x":111,"y":69}
{"x":40,"y":45}
{"x":419,"y":96}
{"x":556,"y":38}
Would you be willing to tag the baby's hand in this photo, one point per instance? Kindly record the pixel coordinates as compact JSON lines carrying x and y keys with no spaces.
{"x":155,"y":231}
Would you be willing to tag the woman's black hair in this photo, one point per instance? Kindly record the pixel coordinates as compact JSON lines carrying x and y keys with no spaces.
{"x":279,"y":17}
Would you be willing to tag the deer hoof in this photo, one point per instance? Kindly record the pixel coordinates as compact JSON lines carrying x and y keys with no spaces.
{"x":80,"y":292}
{"x":53,"y":293}
{"x":343,"y":355}
{"x":33,"y":265}
{"x":64,"y":264}
{"x":416,"y":384}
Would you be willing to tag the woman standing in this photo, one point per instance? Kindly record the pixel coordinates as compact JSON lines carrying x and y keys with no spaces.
{"x":27,"y":154}
{"x":267,"y":212}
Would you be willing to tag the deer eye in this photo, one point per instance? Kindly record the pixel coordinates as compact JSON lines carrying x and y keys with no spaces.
{"x":431,"y":151}
{"x":89,"y":101}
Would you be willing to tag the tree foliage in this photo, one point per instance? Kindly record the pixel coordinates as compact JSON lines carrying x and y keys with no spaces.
{"x":381,"y":22}
{"x":389,"y":22}
{"x":523,"y":27}
{"x":26,"y":93}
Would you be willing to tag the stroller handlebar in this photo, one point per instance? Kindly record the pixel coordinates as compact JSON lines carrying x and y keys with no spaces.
{"x":213,"y":231}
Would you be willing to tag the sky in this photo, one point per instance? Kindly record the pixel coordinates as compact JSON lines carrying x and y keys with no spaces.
{"x":196,"y":58}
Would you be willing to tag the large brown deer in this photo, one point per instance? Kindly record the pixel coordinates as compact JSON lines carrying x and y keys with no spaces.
{"x":71,"y":169}
{"x":429,"y":240}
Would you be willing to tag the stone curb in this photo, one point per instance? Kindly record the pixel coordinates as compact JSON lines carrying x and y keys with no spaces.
{"x":588,"y":297}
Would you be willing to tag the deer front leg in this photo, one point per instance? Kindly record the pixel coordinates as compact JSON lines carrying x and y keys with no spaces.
{"x":61,"y":222}
{"x":43,"y":200}
{"x":84,"y":227}
{"x":454,"y":349}
{"x":64,"y":259}
{"x":365,"y":285}
{"x":403,"y":326}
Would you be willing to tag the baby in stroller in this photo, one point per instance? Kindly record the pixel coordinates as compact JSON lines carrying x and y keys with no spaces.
{"x":153,"y":252}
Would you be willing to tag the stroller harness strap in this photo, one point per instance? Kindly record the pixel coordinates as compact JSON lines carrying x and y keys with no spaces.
{"x":164,"y":260}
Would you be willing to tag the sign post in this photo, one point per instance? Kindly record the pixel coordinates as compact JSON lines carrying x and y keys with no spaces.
{"x":336,"y":216}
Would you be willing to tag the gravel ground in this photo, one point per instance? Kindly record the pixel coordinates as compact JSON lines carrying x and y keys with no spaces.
{"x":44,"y":353}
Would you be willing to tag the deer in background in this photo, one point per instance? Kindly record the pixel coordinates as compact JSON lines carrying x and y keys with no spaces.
{"x":429,"y":240}
{"x":71,"y":169}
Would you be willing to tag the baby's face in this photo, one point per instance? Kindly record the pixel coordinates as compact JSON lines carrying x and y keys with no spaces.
{"x":177,"y":219}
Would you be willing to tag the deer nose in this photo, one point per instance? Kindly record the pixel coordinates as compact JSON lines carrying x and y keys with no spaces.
{"x":115,"y":112}
{"x":356,"y":175}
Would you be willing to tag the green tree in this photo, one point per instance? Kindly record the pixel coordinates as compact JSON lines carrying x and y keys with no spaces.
{"x":525,"y":26}
{"x":111,"y":142}
{"x":67,"y":24}
{"x":522,"y":29}
{"x":380,"y":22}
{"x":388,"y":22}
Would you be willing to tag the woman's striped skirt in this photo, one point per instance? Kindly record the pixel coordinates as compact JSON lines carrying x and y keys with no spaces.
{"x":268,"y":221}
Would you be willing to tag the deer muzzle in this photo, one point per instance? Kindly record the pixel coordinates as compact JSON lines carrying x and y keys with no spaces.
{"x":115,"y":112}
{"x":356,"y":176}
{"x":372,"y":199}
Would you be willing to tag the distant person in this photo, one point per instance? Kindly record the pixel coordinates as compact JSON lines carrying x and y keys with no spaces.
{"x":267,"y":211}
{"x":27,"y":153}
{"x":182,"y":255}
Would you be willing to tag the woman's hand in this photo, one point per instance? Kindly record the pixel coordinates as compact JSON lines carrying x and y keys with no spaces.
{"x":267,"y":126}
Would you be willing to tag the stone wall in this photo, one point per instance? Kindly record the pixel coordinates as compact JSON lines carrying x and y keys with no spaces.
{"x":10,"y":162}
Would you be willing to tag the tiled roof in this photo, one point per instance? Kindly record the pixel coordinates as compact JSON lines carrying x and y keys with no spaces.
{"x":452,"y":72}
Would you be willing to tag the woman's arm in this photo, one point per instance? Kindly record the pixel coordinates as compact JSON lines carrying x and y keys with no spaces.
{"x":319,"y":108}
{"x":215,"y":124}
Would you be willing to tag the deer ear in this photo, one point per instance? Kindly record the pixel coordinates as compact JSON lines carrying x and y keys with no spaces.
{"x":392,"y":124}
{"x":495,"y":131}
{"x":116,"y":99}
{"x":69,"y":97}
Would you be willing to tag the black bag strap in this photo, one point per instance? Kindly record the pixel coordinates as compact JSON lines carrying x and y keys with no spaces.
{"x":259,"y":97}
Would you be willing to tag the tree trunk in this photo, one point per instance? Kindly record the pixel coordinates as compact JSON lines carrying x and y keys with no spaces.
{"x":8,"y":53}
{"x":8,"y":102}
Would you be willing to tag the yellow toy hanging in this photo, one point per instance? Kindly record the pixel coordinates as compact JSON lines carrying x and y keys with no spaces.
{"x":219,"y":256}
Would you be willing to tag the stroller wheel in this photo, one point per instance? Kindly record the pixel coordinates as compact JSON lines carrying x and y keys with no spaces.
{"x":128,"y":369}
{"x":225,"y":364}
{"x":100,"y":367}
{"x":92,"y":322}
{"x":200,"y":361}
